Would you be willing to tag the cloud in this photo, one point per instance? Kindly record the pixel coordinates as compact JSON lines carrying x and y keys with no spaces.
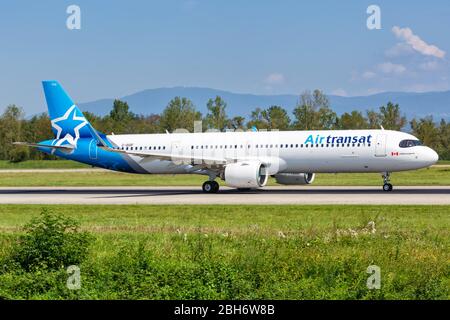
{"x":369,"y":75}
{"x":339,"y":92}
{"x":391,"y":68}
{"x":427,"y":87}
{"x":274,"y":78}
{"x":400,"y":49}
{"x":372,"y":91}
{"x":429,"y":66}
{"x":417,"y":43}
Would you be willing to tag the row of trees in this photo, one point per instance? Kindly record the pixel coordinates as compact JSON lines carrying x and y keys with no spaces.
{"x":313,"y":112}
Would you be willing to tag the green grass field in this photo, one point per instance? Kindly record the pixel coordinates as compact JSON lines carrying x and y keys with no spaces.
{"x":243,"y":252}
{"x":42,"y":164}
{"x":436,"y":176}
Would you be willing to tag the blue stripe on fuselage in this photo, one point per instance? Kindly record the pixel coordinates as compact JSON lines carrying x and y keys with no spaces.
{"x":88,"y":152}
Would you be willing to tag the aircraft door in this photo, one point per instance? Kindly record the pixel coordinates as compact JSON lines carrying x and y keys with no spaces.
{"x":93,"y":149}
{"x":380,"y":146}
{"x":177,"y":153}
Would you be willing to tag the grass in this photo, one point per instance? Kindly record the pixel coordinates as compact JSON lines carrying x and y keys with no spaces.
{"x":244,"y":252}
{"x":436,"y":176}
{"x":42,"y":164}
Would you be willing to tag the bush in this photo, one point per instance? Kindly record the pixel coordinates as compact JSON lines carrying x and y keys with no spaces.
{"x":51,"y":241}
{"x":19,"y":154}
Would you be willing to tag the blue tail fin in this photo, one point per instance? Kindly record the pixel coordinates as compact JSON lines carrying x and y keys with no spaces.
{"x":68,"y":122}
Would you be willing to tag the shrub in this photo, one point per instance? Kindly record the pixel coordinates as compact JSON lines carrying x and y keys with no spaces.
{"x":19,"y":154}
{"x":51,"y":241}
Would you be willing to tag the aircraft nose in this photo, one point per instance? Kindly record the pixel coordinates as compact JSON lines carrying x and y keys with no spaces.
{"x":432,"y":156}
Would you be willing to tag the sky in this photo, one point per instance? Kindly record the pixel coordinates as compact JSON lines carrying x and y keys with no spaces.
{"x":252,"y":46}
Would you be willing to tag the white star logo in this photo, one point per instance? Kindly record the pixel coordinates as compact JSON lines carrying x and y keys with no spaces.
{"x":71,"y":139}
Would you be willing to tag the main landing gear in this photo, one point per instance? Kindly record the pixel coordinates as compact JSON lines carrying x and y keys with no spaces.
{"x":387,"y":178}
{"x":210,"y":186}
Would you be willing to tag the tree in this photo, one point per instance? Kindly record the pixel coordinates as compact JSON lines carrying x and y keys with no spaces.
{"x":11,"y":130}
{"x":93,"y":119}
{"x":119,"y":118}
{"x":276,"y":118}
{"x":257,"y":120}
{"x":313,"y":112}
{"x":147,"y":124}
{"x":37,"y":129}
{"x":236,"y":123}
{"x":180,"y":113}
{"x":444,"y":140}
{"x":353,"y":120}
{"x":121,"y":112}
{"x":373,"y":119}
{"x":216,"y":117}
{"x":426,"y":131}
{"x":391,"y":118}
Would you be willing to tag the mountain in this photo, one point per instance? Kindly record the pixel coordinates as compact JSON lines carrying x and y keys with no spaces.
{"x":155,"y":100}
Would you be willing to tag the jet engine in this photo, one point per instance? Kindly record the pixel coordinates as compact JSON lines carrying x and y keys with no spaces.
{"x":246,"y":174}
{"x":295,"y":178}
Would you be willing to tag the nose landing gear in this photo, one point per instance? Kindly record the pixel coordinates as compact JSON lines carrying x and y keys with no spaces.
{"x":387,"y":178}
{"x":210,"y":186}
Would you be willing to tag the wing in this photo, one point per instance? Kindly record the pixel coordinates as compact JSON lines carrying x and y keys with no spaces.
{"x":209,"y":161}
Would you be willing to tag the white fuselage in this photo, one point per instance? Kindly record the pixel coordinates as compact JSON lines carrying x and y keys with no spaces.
{"x":282,"y":151}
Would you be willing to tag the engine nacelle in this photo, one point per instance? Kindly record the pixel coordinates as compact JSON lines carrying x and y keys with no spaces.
{"x":246,"y":174}
{"x":295,"y":178}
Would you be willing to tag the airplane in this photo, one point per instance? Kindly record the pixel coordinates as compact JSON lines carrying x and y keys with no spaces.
{"x":243,"y":159}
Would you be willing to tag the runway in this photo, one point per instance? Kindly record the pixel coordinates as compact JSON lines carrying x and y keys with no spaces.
{"x":413,"y":195}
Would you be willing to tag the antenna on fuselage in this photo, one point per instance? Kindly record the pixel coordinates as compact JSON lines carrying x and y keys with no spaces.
{"x":381,"y":127}
{"x":167,"y":131}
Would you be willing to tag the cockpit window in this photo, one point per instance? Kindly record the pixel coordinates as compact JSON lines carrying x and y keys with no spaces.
{"x":409,"y":143}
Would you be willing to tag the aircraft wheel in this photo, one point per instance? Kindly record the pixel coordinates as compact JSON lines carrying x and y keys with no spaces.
{"x":387,"y":187}
{"x":210,"y":187}
{"x":215,"y":186}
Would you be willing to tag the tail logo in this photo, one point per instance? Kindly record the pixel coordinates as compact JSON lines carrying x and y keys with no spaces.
{"x":68,"y":127}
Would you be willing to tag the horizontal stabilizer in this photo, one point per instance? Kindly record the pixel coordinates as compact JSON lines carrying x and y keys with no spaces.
{"x":39,"y":145}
